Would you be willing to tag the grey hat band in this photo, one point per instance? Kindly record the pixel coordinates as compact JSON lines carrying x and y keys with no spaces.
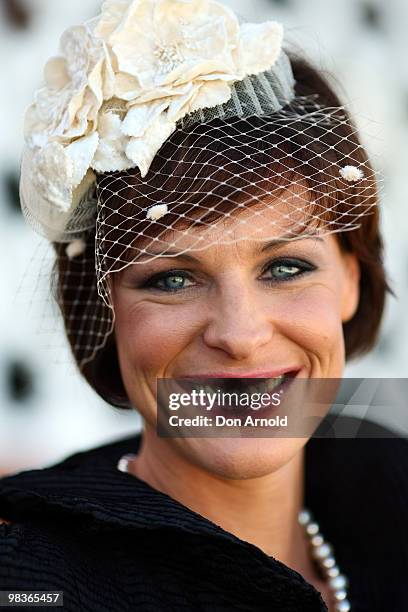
{"x":260,"y":94}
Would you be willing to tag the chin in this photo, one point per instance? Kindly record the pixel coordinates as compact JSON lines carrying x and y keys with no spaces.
{"x":241,"y":458}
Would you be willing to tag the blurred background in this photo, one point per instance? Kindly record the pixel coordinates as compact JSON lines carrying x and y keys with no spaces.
{"x":46,"y":410}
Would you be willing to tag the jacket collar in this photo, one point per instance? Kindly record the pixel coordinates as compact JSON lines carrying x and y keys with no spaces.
{"x":89,"y":486}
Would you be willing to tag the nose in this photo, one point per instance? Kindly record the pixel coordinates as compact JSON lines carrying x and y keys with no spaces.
{"x":238,"y":322}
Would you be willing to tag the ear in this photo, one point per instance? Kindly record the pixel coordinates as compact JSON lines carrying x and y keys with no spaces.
{"x":351,"y":286}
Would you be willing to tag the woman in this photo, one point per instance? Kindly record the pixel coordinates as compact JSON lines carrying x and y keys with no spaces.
{"x":236,"y":236}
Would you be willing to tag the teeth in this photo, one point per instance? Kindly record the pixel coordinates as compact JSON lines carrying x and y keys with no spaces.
{"x":263,"y":386}
{"x":271,"y":385}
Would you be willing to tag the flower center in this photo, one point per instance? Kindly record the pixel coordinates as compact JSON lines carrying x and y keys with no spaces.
{"x":169,"y":57}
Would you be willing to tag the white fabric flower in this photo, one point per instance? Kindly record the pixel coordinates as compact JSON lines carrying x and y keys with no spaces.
{"x":124,"y":79}
{"x":157,"y":211}
{"x":175,"y":57}
{"x":75,"y":86}
{"x":111,"y":152}
{"x":57,"y":170}
{"x":351,"y":174}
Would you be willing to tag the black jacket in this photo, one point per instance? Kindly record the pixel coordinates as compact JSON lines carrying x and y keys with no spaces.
{"x":114,"y":544}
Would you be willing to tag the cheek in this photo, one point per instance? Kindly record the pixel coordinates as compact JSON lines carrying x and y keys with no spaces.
{"x":312,"y":319}
{"x":150,"y":336}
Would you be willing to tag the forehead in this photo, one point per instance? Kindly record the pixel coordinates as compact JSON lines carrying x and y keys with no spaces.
{"x":287,"y":217}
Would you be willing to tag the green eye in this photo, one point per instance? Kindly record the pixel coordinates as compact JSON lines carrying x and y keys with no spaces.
{"x":281,"y":270}
{"x":170,"y":282}
{"x":174,"y":282}
{"x":285,"y":270}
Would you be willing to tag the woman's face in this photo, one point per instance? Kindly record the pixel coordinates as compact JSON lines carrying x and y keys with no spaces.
{"x":239,"y":308}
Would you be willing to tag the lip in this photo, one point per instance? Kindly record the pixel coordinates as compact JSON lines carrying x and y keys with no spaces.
{"x":293,"y":371}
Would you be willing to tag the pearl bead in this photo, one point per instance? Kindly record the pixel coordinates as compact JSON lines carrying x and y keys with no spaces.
{"x":342,"y":606}
{"x":333,"y":572}
{"x":317,"y":540}
{"x":339,"y":582}
{"x":304,"y":517}
{"x":323,"y":551}
{"x":312,"y":528}
{"x":329,"y":562}
{"x":340,"y":595}
{"x":123,"y":463}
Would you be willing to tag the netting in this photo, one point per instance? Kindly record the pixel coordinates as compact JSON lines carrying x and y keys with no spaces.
{"x":304,"y":163}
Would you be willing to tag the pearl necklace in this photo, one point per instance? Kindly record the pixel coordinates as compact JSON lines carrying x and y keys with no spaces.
{"x":322,"y":554}
{"x":321,"y":551}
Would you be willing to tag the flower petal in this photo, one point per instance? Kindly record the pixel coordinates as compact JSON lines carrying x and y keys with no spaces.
{"x":143,"y":150}
{"x":133,"y":40}
{"x":108,"y":77}
{"x":75,"y":45}
{"x":110,"y":154}
{"x":260,"y":46}
{"x":33,"y":125}
{"x":95,"y":82}
{"x":141,"y":117}
{"x":81,"y":153}
{"x":210,"y":94}
{"x":164,"y":92}
{"x":51,"y":174}
{"x":191,"y":14}
{"x":178,"y":105}
{"x":113,"y":12}
{"x":56,"y":73}
{"x":127,"y":87}
{"x":87,"y":183}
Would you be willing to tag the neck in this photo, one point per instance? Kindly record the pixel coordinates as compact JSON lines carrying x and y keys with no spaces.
{"x":262,"y":511}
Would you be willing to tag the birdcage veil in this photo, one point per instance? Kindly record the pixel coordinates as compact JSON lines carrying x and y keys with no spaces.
{"x":126,"y":194}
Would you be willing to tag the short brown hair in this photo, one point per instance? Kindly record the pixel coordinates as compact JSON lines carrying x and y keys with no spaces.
{"x":360,"y":333}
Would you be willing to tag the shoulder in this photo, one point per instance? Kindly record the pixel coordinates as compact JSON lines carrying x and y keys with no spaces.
{"x":362,"y":460}
{"x":43,"y":556}
{"x":10,"y":538}
{"x":356,"y":449}
{"x":40,"y":526}
{"x":28,"y":492}
{"x":363,"y":476}
{"x":23,"y":546}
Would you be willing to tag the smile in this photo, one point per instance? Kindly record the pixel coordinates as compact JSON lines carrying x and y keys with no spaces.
{"x":249,"y":386}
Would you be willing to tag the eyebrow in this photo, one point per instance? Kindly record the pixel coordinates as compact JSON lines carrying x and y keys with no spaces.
{"x":272,"y":244}
{"x":288,"y":238}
